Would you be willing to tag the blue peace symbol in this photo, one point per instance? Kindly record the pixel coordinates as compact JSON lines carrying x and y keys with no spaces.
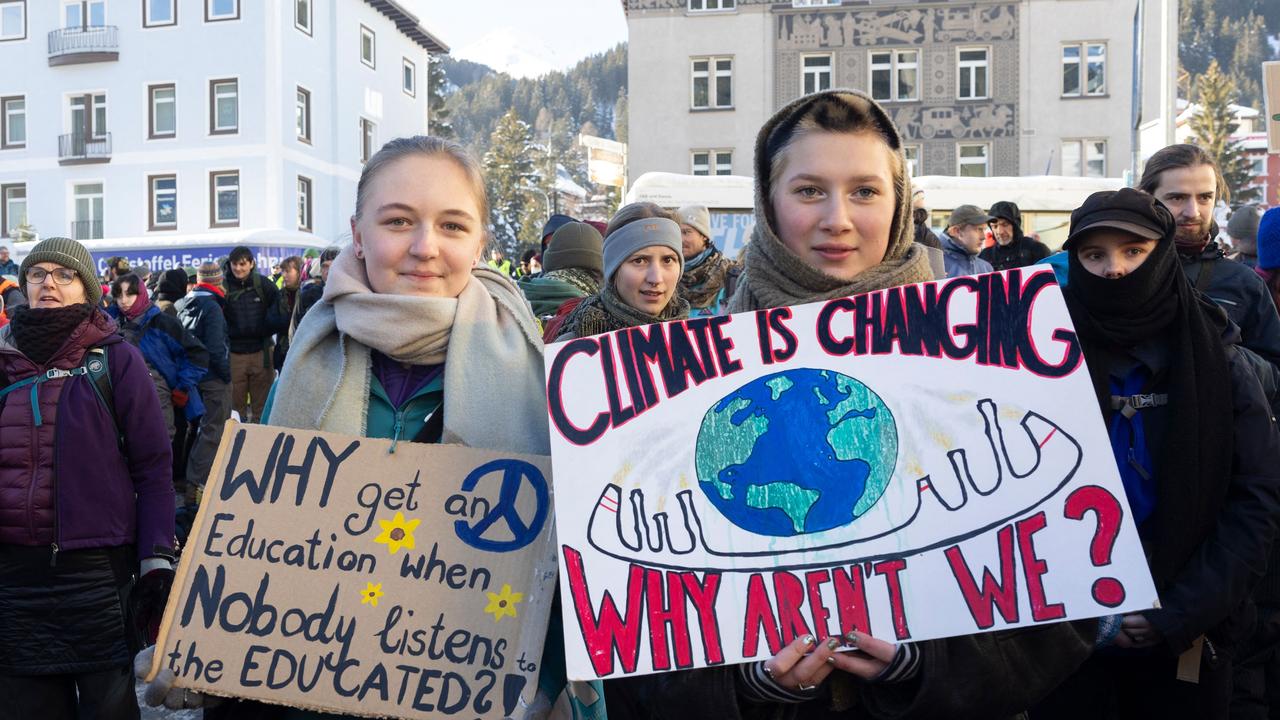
{"x":514,"y":474}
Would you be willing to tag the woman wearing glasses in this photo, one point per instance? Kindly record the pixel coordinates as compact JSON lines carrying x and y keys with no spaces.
{"x":86,"y":501}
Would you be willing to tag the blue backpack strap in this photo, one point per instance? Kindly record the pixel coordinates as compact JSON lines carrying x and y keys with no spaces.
{"x":99,"y":372}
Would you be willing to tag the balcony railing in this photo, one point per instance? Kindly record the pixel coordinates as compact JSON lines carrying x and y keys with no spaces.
{"x":79,"y":149}
{"x":69,"y":46}
{"x":86,"y":230}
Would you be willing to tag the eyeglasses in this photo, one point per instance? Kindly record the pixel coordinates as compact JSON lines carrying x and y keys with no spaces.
{"x":62,"y":276}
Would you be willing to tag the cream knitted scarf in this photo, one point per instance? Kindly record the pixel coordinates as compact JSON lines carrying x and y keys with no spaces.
{"x":486,"y":337}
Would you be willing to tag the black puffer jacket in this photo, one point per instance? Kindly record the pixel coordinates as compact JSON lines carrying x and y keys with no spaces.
{"x":1242,"y":294}
{"x":1022,"y":250}
{"x":254,"y":311}
{"x":201,"y":313}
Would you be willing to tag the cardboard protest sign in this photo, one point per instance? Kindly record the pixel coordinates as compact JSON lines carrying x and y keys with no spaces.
{"x":326,"y":572}
{"x":920,"y":462}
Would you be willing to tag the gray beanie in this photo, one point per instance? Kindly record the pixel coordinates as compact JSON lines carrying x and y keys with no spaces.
{"x":626,"y":240}
{"x":1243,"y":223}
{"x":696,"y":217}
{"x":574,"y":245}
{"x":67,"y":253}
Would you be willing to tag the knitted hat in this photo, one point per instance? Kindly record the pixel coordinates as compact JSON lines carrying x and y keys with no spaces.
{"x":628,"y":239}
{"x":574,"y":245}
{"x":69,"y":254}
{"x":696,"y":217}
{"x":554,"y":223}
{"x":209,"y":273}
{"x":1243,"y":226}
{"x":1269,"y":240}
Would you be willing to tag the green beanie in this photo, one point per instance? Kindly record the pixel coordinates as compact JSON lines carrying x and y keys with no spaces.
{"x":67,"y":253}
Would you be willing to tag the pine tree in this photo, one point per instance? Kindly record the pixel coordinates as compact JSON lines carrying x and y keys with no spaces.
{"x":1250,"y":34}
{"x":620,"y":116}
{"x":1212,"y":127}
{"x":509,"y":172}
{"x":437,"y":111}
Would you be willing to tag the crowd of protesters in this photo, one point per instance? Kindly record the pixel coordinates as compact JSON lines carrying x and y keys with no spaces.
{"x":410,"y":333}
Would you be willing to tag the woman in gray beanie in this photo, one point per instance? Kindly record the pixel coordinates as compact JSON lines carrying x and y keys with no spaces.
{"x":86,"y":498}
{"x":642,"y":266}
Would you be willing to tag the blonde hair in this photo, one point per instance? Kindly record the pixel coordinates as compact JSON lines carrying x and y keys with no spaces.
{"x":426,"y":146}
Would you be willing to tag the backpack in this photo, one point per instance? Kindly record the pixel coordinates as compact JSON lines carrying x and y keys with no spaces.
{"x":95,"y":366}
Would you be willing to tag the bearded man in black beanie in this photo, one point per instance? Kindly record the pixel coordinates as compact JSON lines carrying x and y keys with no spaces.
{"x":1195,"y":445}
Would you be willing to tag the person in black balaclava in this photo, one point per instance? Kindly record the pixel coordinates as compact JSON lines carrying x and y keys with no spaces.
{"x":1195,"y":446}
{"x":1012,"y":249}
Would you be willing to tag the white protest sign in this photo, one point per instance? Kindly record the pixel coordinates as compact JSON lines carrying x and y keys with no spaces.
{"x":920,"y":462}
{"x":326,"y":572}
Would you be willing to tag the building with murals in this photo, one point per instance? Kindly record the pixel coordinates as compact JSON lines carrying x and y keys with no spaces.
{"x":978,"y":88}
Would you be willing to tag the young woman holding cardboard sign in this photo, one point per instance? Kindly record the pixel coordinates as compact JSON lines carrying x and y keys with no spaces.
{"x":833,"y":219}
{"x":415,"y":339}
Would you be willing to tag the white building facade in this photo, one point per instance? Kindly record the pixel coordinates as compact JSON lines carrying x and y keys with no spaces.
{"x":977,"y":87}
{"x":191,"y":121}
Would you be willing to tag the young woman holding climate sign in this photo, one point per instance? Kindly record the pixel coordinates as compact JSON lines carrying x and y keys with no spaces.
{"x":642,"y":266}
{"x":833,"y":218}
{"x":415,"y":339}
{"x":1196,"y":448}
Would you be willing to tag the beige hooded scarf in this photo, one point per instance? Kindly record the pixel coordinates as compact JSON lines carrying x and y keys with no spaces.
{"x":774,"y":276}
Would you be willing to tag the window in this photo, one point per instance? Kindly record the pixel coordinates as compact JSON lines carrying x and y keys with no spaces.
{"x":84,"y":14}
{"x":971,"y":69}
{"x":368,"y":138}
{"x":894,"y":75}
{"x":815,"y":73}
{"x":163,"y":214}
{"x":89,"y":116}
{"x":912,"y":155}
{"x":707,"y":5}
{"x":13,"y":122}
{"x":224,"y":106}
{"x":304,"y":203}
{"x":224,"y":199}
{"x":13,"y":19}
{"x":13,"y":210}
{"x":162,"y":116}
{"x":1087,"y":158}
{"x":368,"y":47}
{"x":215,"y":10}
{"x":712,"y":83}
{"x":1084,"y":69}
{"x":302,"y":15}
{"x":302,"y":115}
{"x":1257,"y":165}
{"x":973,"y":160}
{"x":410,"y":78}
{"x":712,"y":162}
{"x":157,"y":13}
{"x":88,"y":212}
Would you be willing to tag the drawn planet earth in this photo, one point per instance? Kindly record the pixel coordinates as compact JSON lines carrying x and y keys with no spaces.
{"x":796,"y":452}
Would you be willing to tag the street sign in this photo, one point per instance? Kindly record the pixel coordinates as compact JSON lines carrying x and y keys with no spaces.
{"x":1271,"y":81}
{"x":606,"y":160}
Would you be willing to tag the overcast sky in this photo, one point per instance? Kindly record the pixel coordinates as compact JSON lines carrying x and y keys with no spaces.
{"x":570,"y":29}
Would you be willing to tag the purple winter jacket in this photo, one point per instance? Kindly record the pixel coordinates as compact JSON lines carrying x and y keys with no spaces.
{"x":67,"y":482}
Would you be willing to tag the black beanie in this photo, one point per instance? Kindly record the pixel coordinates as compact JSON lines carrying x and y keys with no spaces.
{"x":575,"y":245}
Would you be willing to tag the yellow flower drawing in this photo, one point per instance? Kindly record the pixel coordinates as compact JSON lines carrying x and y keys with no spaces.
{"x":371,"y":593}
{"x":503,"y":603}
{"x":397,"y":533}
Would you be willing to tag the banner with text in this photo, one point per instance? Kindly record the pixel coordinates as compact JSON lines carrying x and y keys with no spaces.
{"x":915,"y":463}
{"x":327,"y":572}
